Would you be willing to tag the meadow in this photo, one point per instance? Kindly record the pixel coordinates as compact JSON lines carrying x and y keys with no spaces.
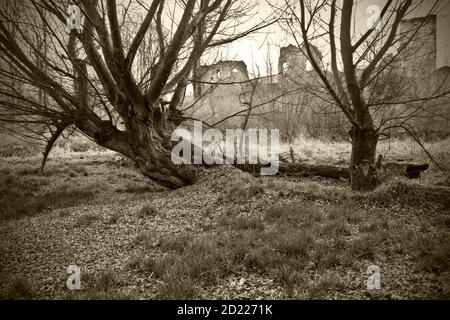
{"x":229,"y":236}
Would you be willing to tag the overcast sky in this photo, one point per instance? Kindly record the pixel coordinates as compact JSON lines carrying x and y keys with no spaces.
{"x":256,"y":50}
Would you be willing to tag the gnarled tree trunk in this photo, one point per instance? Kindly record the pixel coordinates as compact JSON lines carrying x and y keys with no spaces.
{"x":147,"y":142}
{"x":362,"y":165}
{"x":149,"y":139}
{"x":152,"y":150}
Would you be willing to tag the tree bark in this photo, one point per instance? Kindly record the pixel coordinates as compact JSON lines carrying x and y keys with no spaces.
{"x":362,"y":164}
{"x":151,"y":146}
{"x":146,"y":141}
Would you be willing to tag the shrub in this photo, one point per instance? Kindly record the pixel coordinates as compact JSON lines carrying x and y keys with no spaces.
{"x":325,"y":255}
{"x":240,"y":192}
{"x":64,"y":213}
{"x":146,"y":211}
{"x":81,"y":145}
{"x":288,"y":277}
{"x":86,"y":219}
{"x":431,"y":250}
{"x":114,"y":218}
{"x":373,"y":226}
{"x":177,"y":288}
{"x":27,"y":171}
{"x":294,"y":243}
{"x":134,"y":263}
{"x":293,"y":214}
{"x":178,"y":243}
{"x":407,"y":193}
{"x":367,"y":245}
{"x":104,"y":285}
{"x":241,"y":222}
{"x":20,"y":289}
{"x":106,"y":281}
{"x":336,"y":227}
{"x":21,"y":196}
{"x":18,"y":150}
{"x":144,"y":238}
{"x":324,"y":284}
{"x":351,"y":214}
{"x":442,"y":221}
{"x":139,"y":188}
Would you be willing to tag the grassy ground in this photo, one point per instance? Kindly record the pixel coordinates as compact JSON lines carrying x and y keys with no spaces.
{"x":229,"y":236}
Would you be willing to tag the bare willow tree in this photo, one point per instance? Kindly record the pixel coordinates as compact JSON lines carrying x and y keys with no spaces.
{"x":358,"y":78}
{"x":128,"y":63}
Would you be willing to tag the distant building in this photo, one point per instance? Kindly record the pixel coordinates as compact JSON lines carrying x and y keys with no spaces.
{"x":225,"y":71}
{"x":293,"y":61}
{"x":418,"y":38}
{"x":225,"y":88}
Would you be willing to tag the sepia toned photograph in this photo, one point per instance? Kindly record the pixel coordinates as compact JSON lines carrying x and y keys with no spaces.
{"x":230,"y":150}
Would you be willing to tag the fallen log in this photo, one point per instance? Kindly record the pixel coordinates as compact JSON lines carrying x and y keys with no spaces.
{"x":409,"y":170}
{"x":300,"y":170}
{"x":413,"y":170}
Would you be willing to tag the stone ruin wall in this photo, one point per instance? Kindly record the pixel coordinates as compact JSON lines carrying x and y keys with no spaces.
{"x":220,"y":72}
